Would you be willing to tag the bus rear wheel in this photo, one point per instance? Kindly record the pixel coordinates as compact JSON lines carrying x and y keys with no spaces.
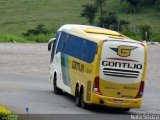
{"x":126,"y":109}
{"x":56,"y":89}
{"x":78,"y":100}
{"x":83,"y":104}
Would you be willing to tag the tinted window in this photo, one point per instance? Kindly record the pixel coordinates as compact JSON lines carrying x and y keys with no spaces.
{"x":77,"y":47}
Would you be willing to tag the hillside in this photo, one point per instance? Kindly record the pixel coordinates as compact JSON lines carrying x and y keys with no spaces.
{"x":146,"y":15}
{"x":17,"y":16}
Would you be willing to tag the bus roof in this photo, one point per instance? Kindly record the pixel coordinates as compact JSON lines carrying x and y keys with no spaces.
{"x":94,"y":33}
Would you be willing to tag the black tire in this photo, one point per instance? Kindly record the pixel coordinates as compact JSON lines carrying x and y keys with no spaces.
{"x":55,"y":88}
{"x":126,"y":109}
{"x":78,"y":99}
{"x":83,"y":104}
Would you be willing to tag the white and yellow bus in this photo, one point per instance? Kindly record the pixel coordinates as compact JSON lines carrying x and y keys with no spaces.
{"x":98,"y":66}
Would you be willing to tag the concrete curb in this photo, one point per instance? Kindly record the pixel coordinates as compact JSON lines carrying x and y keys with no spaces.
{"x":153,"y":43}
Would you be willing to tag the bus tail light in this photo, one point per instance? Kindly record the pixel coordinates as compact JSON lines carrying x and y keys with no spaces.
{"x":142,"y":44}
{"x":96,"y":86}
{"x":141,"y":89}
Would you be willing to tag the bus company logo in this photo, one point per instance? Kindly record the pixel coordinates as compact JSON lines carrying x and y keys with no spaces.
{"x":123,"y":51}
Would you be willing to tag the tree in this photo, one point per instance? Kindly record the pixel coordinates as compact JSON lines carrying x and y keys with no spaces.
{"x":133,"y":5}
{"x":153,"y":2}
{"x":89,"y":12}
{"x":148,"y":2}
{"x":110,"y":20}
{"x":157,"y":4}
{"x":107,"y":19}
{"x":100,"y":4}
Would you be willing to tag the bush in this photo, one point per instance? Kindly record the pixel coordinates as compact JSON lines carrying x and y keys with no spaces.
{"x":4,"y":113}
{"x":131,"y":33}
{"x":110,"y":20}
{"x":133,"y":5}
{"x":40,"y":34}
{"x":145,"y":31}
{"x":40,"y":29}
{"x":107,"y":19}
{"x":155,"y":37}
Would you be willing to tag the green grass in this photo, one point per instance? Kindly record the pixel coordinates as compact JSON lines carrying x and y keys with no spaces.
{"x":17,"y":16}
{"x":156,"y":37}
{"x":12,"y":38}
{"x":39,"y":38}
{"x":25,"y":39}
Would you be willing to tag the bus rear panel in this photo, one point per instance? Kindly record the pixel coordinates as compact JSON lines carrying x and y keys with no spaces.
{"x":122,"y":72}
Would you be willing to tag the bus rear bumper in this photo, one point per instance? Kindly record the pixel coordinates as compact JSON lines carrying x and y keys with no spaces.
{"x":116,"y":102}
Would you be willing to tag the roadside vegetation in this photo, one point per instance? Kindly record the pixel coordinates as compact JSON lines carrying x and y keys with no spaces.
{"x":40,"y":35}
{"x":6,"y":114}
{"x":38,"y":21}
{"x":97,"y":12}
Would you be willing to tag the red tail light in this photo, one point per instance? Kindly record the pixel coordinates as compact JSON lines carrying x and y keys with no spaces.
{"x":141,"y":89}
{"x":142,"y":44}
{"x":96,"y":86}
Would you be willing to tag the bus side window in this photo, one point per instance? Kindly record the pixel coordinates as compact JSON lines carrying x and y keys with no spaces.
{"x":53,"y":49}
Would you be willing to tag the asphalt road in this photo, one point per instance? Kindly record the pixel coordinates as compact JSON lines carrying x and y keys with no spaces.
{"x":24,"y":84}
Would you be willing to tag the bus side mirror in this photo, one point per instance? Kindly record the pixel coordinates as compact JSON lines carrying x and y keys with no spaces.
{"x":50,"y":43}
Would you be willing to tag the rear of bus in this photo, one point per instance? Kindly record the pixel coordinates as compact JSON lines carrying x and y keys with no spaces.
{"x":120,"y":83}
